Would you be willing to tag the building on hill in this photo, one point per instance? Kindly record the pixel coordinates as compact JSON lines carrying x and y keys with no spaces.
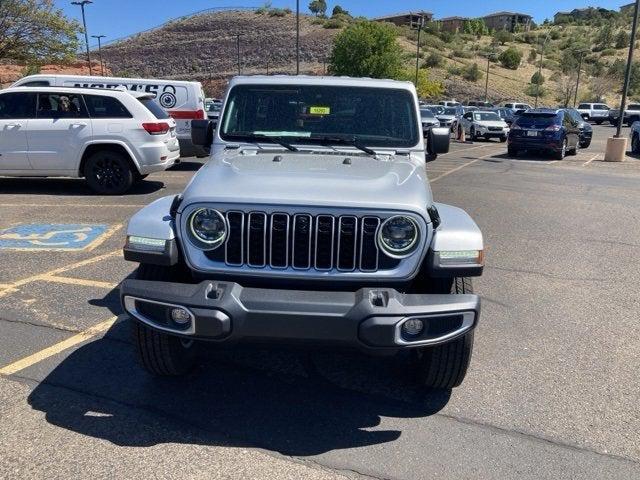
{"x":583,"y":14}
{"x":508,"y":21}
{"x":452,"y":24}
{"x":406,"y":19}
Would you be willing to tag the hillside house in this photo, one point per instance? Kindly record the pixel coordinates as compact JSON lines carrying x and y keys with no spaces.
{"x":406,"y":19}
{"x":452,"y":24}
{"x":508,"y":21}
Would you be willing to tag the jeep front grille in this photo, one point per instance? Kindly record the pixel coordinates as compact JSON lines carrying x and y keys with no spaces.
{"x":302,"y":241}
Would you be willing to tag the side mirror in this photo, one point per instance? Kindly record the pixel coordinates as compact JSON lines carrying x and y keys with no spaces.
{"x":202,"y":132}
{"x":438,"y":142}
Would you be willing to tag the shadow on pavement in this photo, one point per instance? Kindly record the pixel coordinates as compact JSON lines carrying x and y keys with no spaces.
{"x":292,"y":402}
{"x":187,"y":166}
{"x":66,"y":187}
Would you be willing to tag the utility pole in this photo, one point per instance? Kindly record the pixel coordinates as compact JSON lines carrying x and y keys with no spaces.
{"x":297,"y":37}
{"x":486,"y":85}
{"x":540,"y":70}
{"x":99,"y":37}
{"x":627,"y":75}
{"x":238,"y":35}
{"x":82,"y":3}
{"x":575,"y":96}
{"x":418,"y":25}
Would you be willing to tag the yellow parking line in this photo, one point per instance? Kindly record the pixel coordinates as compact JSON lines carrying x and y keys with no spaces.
{"x":10,"y":287}
{"x":79,"y":281}
{"x":57,"y":348}
{"x":100,"y":240}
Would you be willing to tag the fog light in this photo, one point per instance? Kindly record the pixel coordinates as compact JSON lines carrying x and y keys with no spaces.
{"x":180,"y":316}
{"x":413,"y":327}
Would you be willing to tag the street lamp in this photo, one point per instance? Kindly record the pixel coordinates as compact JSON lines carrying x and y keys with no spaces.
{"x":575,"y":96}
{"x":540,"y":69}
{"x":99,"y":37}
{"x":238,"y":35}
{"x":297,"y":37}
{"x":417,"y":25}
{"x":82,"y":3}
{"x":490,"y":55}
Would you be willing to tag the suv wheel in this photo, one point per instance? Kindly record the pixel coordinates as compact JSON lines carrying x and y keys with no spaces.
{"x":162,"y":354}
{"x":108,"y":173}
{"x":445,"y":366}
{"x":563,"y":151}
{"x":599,"y":122}
{"x":512,"y":152}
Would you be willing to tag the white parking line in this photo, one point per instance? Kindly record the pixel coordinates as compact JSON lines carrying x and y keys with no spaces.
{"x":466,"y":149}
{"x":592,"y":159}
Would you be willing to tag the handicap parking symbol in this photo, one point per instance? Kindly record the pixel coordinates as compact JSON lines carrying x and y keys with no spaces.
{"x":47,"y":236}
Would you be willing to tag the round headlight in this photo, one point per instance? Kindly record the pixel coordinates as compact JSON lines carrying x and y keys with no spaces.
{"x":208,"y":227}
{"x":398,"y":235}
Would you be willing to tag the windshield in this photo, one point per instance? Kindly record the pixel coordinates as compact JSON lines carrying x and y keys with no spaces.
{"x":537,"y":119}
{"x":437,"y":110}
{"x":426,"y":113}
{"x":450,"y":111}
{"x":489,"y":116}
{"x":304,"y":113}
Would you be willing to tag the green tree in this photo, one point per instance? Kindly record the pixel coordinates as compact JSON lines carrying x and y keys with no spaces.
{"x":426,"y":88}
{"x":366,"y":49}
{"x":502,"y":36}
{"x":36,"y":32}
{"x":622,"y":39}
{"x":537,"y":78}
{"x":434,"y":60}
{"x":338,"y":10}
{"x":604,"y":39}
{"x":472,"y":73}
{"x":511,"y":58}
{"x":318,"y":8}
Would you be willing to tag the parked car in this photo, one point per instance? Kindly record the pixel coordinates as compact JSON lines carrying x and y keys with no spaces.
{"x":428,"y":120}
{"x":183,"y":101}
{"x":484,"y":124}
{"x":554,"y":131}
{"x":308,"y":237}
{"x":505,"y":114}
{"x":595,"y":112}
{"x":586,"y":131}
{"x":449,"y":117}
{"x":515,"y":106}
{"x":449,"y":103}
{"x":436,"y":109}
{"x":631,"y":114}
{"x":634,"y":136}
{"x":213,"y":108}
{"x":479,"y":104}
{"x":112,"y":138}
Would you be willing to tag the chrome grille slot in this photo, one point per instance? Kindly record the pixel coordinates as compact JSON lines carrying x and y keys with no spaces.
{"x":301,"y":244}
{"x":368,"y":246}
{"x":257,"y":240}
{"x":279,"y":240}
{"x":324,"y":242}
{"x":234,"y":247}
{"x":347,"y":241}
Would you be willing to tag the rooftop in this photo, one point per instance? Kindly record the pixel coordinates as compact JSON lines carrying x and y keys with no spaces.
{"x":500,"y":14}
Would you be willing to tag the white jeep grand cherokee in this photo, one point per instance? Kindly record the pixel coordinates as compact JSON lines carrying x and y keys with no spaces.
{"x":111,"y":138}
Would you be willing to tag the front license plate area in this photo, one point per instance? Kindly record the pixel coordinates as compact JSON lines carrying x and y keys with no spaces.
{"x":532,"y":133}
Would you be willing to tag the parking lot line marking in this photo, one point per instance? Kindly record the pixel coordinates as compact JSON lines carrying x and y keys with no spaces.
{"x":11,"y":287}
{"x":592,"y":159}
{"x":100,"y":240}
{"x":454,"y":170}
{"x":79,"y":281}
{"x":58,"y":347}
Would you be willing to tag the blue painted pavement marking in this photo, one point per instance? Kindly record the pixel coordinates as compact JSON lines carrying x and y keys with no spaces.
{"x":47,"y":236}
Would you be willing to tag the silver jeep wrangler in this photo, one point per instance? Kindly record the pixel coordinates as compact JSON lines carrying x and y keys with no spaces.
{"x":312,"y":223}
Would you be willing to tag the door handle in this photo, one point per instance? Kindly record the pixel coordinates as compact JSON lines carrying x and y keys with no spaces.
{"x":14,"y":125}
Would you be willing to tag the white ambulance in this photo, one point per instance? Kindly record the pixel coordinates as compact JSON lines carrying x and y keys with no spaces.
{"x":184,"y":101}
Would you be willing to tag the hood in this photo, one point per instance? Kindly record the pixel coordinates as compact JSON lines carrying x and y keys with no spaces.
{"x":491,"y":123}
{"x":311,"y":179}
{"x":446,"y":117}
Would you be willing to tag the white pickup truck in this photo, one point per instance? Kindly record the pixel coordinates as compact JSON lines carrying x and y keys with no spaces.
{"x":596,"y":112}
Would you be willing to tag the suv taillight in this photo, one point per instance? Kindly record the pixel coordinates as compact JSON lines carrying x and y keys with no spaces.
{"x":156,"y":128}
{"x":553,"y":128}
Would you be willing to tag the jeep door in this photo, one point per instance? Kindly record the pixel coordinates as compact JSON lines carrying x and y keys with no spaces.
{"x":17,"y":109}
{"x":59,"y":132}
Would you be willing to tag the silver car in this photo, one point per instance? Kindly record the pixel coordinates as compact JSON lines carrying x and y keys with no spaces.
{"x":312,"y":223}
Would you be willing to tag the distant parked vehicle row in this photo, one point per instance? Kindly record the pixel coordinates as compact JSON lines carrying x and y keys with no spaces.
{"x":515,"y":106}
{"x":484,"y":124}
{"x":596,"y":112}
{"x":112,"y":138}
{"x":549,"y":130}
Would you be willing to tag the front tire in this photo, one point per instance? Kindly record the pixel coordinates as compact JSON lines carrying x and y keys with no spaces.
{"x":503,"y":139}
{"x":445,"y":366}
{"x":563,"y":151}
{"x":159,"y":353}
{"x":108,"y":173}
{"x":512,"y":152}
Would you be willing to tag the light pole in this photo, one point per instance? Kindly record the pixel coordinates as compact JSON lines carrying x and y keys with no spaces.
{"x":238,"y":35}
{"x":540,"y":70}
{"x":82,"y":3}
{"x":627,"y":75}
{"x":418,"y":25}
{"x":99,"y":37}
{"x":486,"y":85}
{"x":297,"y":37}
{"x":575,"y":96}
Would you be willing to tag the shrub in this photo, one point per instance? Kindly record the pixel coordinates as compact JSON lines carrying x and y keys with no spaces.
{"x":537,"y":78}
{"x":503,"y":36}
{"x":460,"y":53}
{"x":532,"y":89}
{"x":278,"y":12}
{"x":622,"y":39}
{"x":533,"y":56}
{"x":511,"y":58}
{"x":472,"y":73}
{"x":454,"y":70}
{"x":434,"y":60}
{"x":446,"y":37}
{"x":554,"y":34}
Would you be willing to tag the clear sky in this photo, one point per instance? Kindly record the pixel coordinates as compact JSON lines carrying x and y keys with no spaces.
{"x":118,"y":18}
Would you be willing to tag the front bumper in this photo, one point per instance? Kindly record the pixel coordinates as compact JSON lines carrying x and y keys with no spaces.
{"x":369,"y":319}
{"x":540,"y":143}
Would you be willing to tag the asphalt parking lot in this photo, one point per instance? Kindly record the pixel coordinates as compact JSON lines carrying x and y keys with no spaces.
{"x":552,"y":391}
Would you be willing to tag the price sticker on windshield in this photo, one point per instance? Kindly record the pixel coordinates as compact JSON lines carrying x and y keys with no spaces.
{"x":319,"y":110}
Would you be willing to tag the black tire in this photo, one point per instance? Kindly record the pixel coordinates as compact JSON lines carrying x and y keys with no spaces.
{"x":635,"y":144}
{"x":503,"y":139}
{"x":585,"y":144}
{"x":445,"y":366}
{"x":108,"y":173}
{"x":472,"y":133}
{"x":138,"y":178}
{"x":574,"y":150}
{"x":562,"y":153}
{"x":512,"y":152}
{"x":599,"y":122}
{"x":159,"y":353}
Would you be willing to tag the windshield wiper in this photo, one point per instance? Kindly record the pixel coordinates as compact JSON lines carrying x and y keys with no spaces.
{"x":343,"y":140}
{"x":268,"y":138}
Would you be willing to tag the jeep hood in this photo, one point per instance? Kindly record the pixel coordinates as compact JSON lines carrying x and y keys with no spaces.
{"x":326,"y":179}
